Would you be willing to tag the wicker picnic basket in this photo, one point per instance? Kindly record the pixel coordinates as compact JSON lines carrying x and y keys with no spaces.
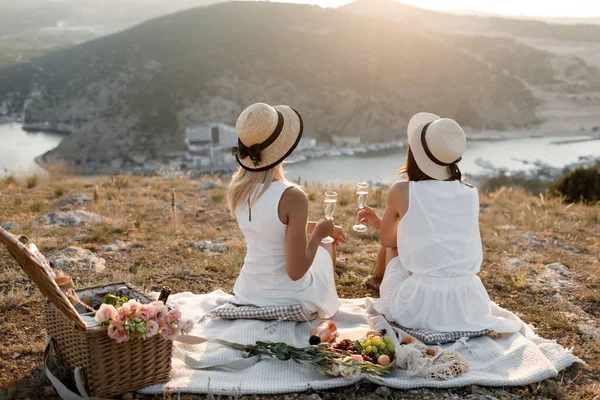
{"x":107,"y":368}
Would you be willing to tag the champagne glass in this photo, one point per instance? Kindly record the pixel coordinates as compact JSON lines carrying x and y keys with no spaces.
{"x":330,"y":200}
{"x":362,"y":191}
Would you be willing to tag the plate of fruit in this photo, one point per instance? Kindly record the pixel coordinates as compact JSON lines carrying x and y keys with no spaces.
{"x":375,"y":347}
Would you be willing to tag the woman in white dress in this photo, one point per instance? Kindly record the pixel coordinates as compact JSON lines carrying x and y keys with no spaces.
{"x":431,"y":242}
{"x":281,"y":267}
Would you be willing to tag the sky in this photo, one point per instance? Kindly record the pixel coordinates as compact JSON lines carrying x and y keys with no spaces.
{"x":540,"y":8}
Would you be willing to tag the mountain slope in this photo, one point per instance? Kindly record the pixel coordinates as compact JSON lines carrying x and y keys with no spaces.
{"x":346,"y":74}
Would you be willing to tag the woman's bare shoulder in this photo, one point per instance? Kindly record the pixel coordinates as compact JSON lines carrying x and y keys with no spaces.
{"x":294,"y":197}
{"x":399,"y":187}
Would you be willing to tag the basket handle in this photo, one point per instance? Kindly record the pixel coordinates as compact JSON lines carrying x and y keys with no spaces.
{"x":64,"y":392}
{"x":190,"y":361}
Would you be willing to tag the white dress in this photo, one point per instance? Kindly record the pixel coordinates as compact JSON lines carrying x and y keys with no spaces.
{"x":433,"y":283}
{"x":263,"y":280}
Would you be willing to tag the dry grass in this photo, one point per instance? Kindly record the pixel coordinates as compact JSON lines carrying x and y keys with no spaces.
{"x":514,"y":224}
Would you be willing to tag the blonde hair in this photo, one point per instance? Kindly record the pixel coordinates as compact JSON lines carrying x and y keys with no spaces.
{"x":244,"y":186}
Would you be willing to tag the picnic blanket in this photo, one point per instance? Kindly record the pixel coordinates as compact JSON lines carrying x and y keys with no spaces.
{"x":520,"y":359}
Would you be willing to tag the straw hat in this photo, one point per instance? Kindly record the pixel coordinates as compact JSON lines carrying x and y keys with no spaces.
{"x":437,"y":144}
{"x":266,"y":135}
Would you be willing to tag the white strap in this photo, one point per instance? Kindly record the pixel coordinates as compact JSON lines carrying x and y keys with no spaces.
{"x":64,"y":392}
{"x":190,"y":361}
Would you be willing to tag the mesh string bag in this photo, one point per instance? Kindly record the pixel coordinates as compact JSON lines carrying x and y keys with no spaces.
{"x":444,"y":365}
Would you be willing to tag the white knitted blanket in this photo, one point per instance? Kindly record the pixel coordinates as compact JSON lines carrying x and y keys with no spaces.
{"x":520,"y":359}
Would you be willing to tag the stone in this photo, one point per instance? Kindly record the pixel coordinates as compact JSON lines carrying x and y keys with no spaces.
{"x":116,"y":246}
{"x":72,"y":200}
{"x":555,"y":276}
{"x":515,"y":263}
{"x":77,"y":259}
{"x":208,"y":246}
{"x":533,"y":243}
{"x":69,"y":218}
{"x":9,"y":226}
{"x":209,"y":185}
{"x":560,"y":268}
{"x":383,"y":391}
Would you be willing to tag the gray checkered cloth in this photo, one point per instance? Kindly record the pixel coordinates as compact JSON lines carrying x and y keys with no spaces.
{"x":291,"y":312}
{"x":435,"y":337}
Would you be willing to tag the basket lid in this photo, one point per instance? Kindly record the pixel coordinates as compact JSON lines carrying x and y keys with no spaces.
{"x":38,"y":274}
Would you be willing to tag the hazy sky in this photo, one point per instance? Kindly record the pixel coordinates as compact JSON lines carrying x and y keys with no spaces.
{"x":544,"y":8}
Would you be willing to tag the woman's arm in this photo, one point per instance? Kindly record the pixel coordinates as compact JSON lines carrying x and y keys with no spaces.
{"x":396,"y":207}
{"x":300,"y":255}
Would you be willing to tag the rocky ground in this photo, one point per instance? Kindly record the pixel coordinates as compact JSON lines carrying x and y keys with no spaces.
{"x":541,"y":261}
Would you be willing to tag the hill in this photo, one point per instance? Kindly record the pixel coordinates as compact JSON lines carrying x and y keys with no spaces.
{"x":347,"y":74}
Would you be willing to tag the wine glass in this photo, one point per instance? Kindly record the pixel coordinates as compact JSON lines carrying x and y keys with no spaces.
{"x":362,"y":191}
{"x":330,"y":200}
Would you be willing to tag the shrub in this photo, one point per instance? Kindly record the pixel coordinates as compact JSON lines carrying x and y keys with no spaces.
{"x":580,"y":185}
{"x":532,"y":185}
{"x":36,"y":206}
{"x":31,"y":181}
{"x":10,"y":180}
{"x":58,"y":191}
{"x":217,"y":196}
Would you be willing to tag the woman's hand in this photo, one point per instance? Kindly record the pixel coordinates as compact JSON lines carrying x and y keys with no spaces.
{"x":324,"y":228}
{"x":368,"y":216}
{"x":339,"y":236}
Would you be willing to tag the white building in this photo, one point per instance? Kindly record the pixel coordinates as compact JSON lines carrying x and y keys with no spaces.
{"x":346,"y":140}
{"x":306,"y":143}
{"x":209,"y":145}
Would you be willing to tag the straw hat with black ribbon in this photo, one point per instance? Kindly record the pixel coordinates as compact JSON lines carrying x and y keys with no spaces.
{"x":437,"y":145}
{"x":266,"y":136}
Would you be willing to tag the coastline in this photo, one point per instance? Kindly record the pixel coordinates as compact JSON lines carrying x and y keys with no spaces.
{"x":321,"y":150}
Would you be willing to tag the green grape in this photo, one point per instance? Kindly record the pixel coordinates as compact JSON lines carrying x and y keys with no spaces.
{"x":368,"y":343}
{"x":369,"y":349}
{"x":382,"y":346}
{"x":391,"y":347}
{"x":387,"y":339}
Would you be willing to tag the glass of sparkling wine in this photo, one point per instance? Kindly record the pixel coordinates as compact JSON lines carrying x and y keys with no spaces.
{"x":330,"y":200}
{"x":362,"y":191}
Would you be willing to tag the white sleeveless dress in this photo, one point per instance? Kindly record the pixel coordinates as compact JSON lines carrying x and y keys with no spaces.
{"x":263,"y":280}
{"x":433,"y":283}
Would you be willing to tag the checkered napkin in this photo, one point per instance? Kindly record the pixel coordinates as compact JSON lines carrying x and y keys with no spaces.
{"x":435,"y":337}
{"x":291,"y":312}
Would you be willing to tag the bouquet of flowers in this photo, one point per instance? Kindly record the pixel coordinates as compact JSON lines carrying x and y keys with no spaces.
{"x":326,"y":360}
{"x":129,"y":319}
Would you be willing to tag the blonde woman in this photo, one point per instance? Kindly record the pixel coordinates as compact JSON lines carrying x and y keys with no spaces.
{"x":281,"y":266}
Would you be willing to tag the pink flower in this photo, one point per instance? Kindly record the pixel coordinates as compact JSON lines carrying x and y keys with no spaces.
{"x":144,"y":312}
{"x":151,"y":328}
{"x":187,"y":326}
{"x":134,"y":306}
{"x":105,"y":312}
{"x":152,"y":310}
{"x":357,"y":358}
{"x":161,"y":314}
{"x":117,"y":332}
{"x":173,"y":316}
{"x":170,"y":333}
{"x":124,"y":312}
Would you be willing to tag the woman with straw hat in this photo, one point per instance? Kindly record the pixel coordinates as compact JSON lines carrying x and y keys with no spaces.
{"x":430,"y":233}
{"x":280,"y":267}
